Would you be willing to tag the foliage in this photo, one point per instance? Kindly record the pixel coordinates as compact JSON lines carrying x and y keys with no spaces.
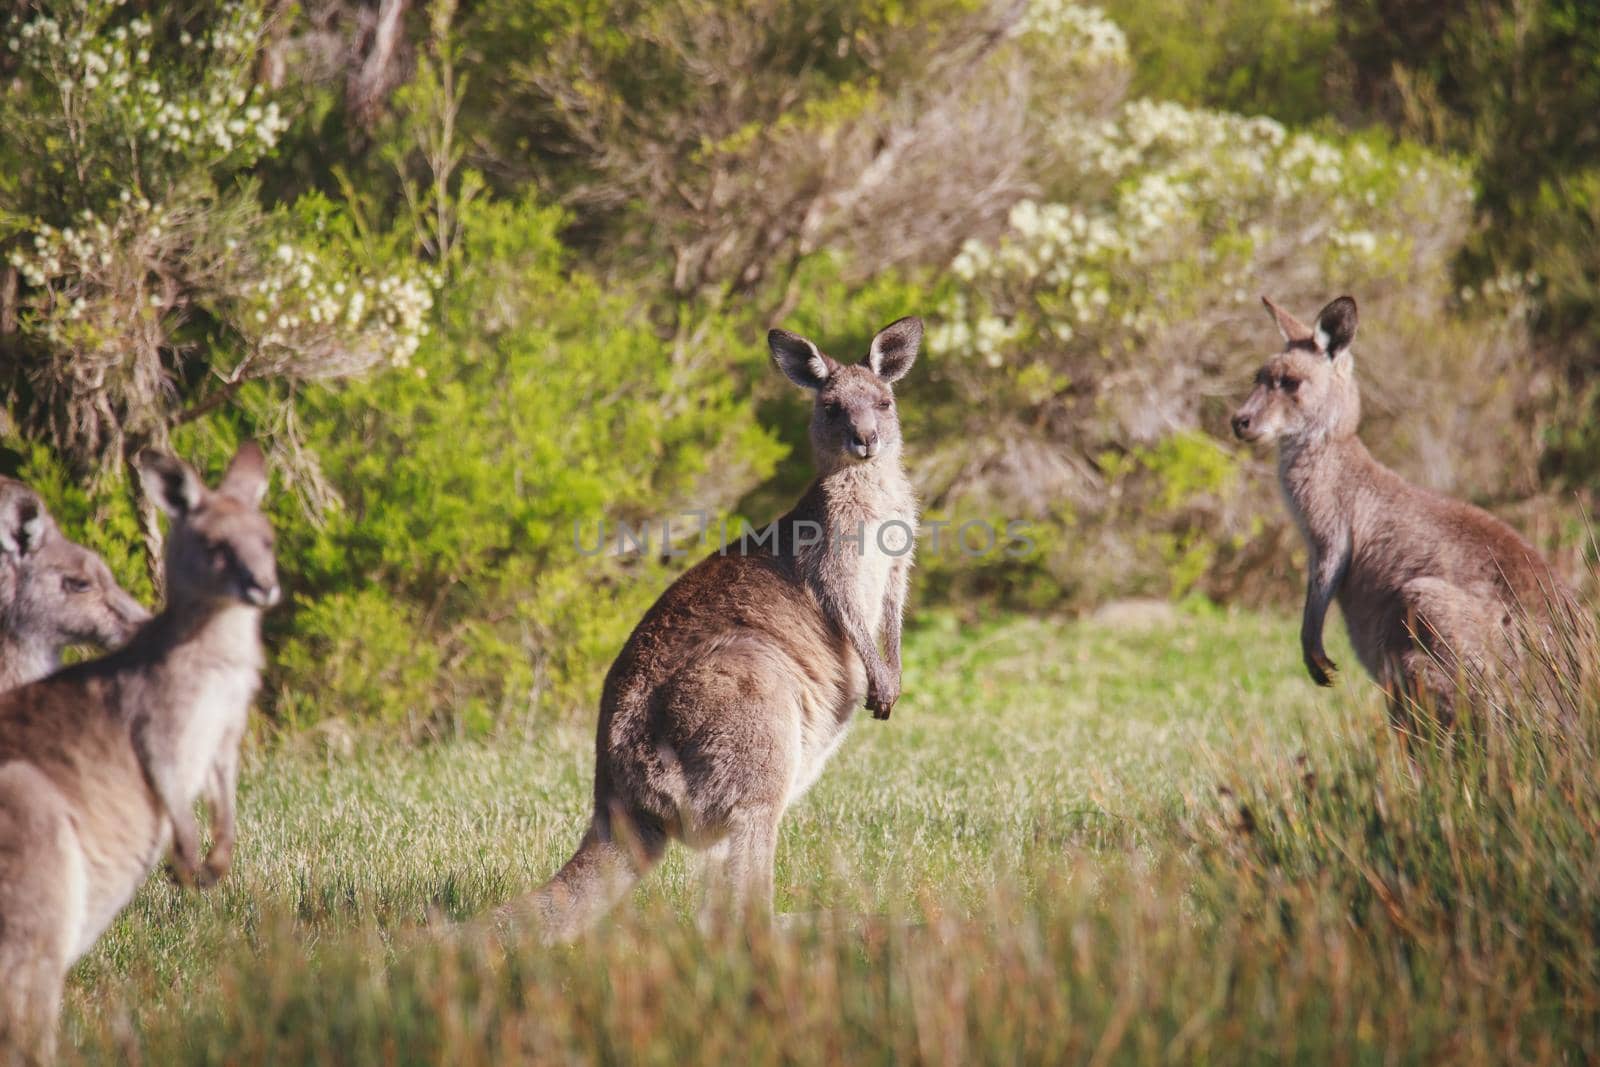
{"x":728,"y":143}
{"x":1255,"y":57}
{"x":477,"y":274}
{"x":540,"y":406}
{"x":1515,"y":87}
{"x":153,"y":284}
{"x":1089,"y":341}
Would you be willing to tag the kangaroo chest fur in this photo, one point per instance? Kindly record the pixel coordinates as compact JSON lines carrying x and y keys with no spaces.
{"x":200,"y":693}
{"x":869,"y":520}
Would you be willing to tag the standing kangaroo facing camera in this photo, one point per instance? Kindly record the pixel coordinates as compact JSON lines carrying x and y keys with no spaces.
{"x":738,"y":684}
{"x":101,"y":763}
{"x":1429,"y":587}
{"x":54,"y":593}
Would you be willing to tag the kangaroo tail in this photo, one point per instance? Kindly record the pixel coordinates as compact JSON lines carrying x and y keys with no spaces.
{"x":590,"y":884}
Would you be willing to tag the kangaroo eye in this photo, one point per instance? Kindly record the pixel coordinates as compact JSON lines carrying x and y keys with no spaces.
{"x":885,"y":404}
{"x":1290,"y":385}
{"x":73,"y":584}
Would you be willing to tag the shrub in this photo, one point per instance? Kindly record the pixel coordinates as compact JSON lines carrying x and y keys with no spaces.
{"x":1255,"y":57}
{"x":1515,"y":88}
{"x":542,"y":402}
{"x":1089,"y":345}
{"x":147,"y":285}
{"x":734,"y":142}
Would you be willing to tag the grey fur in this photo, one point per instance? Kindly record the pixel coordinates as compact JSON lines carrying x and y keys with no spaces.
{"x":738,"y":685}
{"x":101,"y":763}
{"x":54,"y":593}
{"x":1430,"y":588}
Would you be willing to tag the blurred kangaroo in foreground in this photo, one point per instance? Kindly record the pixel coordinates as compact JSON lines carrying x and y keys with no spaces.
{"x":1430,"y":588}
{"x":101,"y":763}
{"x":54,"y":593}
{"x":738,"y":684}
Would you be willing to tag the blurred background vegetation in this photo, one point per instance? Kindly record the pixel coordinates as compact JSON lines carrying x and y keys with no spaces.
{"x":475,"y":274}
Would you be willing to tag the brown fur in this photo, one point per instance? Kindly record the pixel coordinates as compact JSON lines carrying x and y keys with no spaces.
{"x":1431,"y":588}
{"x":101,"y":763}
{"x":54,"y":593}
{"x":737,"y":686}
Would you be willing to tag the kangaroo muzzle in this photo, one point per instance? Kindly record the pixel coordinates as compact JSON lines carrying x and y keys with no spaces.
{"x":865,"y":442}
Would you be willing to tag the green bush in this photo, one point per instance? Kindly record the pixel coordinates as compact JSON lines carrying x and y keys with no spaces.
{"x":541,"y":400}
{"x":1256,"y":57}
{"x":1515,"y":88}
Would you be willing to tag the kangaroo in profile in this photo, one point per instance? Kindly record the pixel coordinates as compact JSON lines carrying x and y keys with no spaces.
{"x":738,"y":684}
{"x":54,"y":593}
{"x":101,"y":762}
{"x":1429,"y":587}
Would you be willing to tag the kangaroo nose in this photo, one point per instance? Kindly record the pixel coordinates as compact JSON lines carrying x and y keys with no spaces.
{"x":1241,"y":423}
{"x":264,"y":598}
{"x":864,"y":445}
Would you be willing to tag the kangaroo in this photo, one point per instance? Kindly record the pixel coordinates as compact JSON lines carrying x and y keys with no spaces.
{"x":738,"y":684}
{"x":1429,"y":587}
{"x":54,"y":593}
{"x":101,"y":762}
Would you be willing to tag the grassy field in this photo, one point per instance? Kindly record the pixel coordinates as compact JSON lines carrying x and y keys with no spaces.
{"x":1032,"y":861}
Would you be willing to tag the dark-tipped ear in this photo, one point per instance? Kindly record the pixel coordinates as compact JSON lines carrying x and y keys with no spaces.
{"x":170,"y":482}
{"x":246,"y":477}
{"x":895,"y":348}
{"x":24,"y":523}
{"x":1336,"y":327}
{"x":1293,"y":330}
{"x":801,"y":361}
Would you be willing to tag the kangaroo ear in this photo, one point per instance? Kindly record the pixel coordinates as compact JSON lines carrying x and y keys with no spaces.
{"x":1336,"y":327}
{"x":801,"y":361}
{"x":24,"y":523}
{"x":895,"y":348}
{"x":1293,"y":330}
{"x":170,"y":482}
{"x":246,"y":477}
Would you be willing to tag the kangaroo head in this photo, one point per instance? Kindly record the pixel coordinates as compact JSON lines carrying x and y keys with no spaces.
{"x":853,"y":418}
{"x":1307,"y":392}
{"x":55,"y":593}
{"x":219,"y":549}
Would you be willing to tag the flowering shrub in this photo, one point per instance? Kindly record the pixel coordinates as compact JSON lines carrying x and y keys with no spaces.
{"x":154,"y":285}
{"x":1082,"y":36}
{"x":1117,"y":313}
{"x":192,"y":110}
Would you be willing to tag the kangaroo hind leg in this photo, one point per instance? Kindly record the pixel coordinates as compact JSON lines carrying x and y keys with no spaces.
{"x":1453,"y":641}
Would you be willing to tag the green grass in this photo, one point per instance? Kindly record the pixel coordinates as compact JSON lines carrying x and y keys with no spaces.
{"x":1034,"y":859}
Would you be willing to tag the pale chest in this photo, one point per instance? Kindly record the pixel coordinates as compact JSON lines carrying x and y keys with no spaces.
{"x":217,"y":707}
{"x":871,"y":548}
